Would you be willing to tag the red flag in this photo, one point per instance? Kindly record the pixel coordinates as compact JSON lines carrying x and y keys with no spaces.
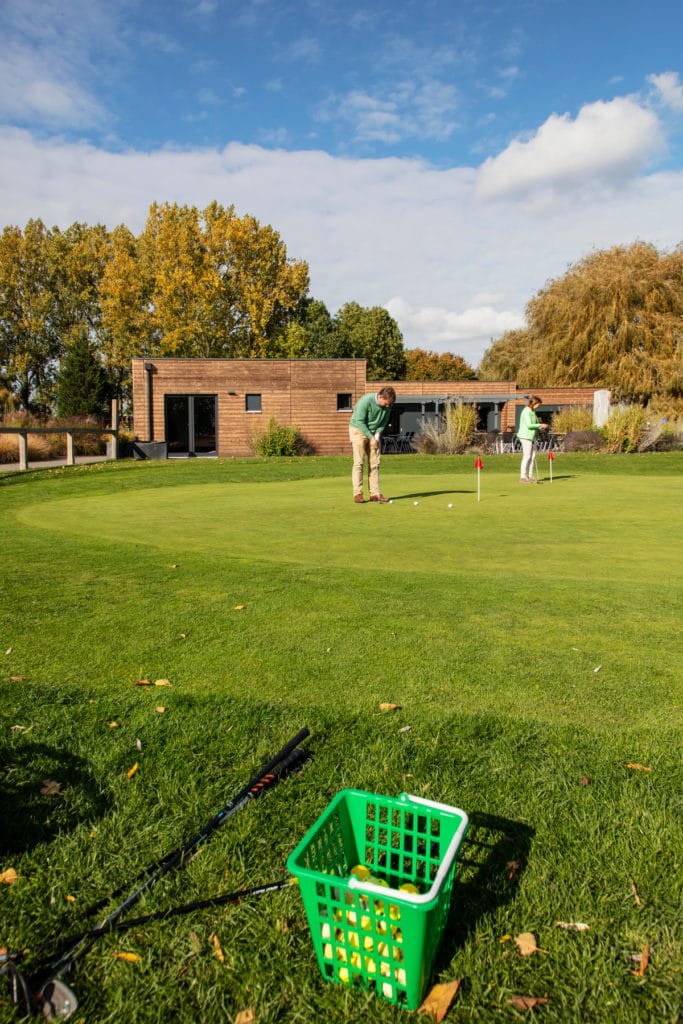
{"x":478,"y":464}
{"x":551,"y":456}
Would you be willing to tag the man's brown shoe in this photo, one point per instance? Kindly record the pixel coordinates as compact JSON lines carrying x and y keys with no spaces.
{"x":359,"y":499}
{"x":378,"y":497}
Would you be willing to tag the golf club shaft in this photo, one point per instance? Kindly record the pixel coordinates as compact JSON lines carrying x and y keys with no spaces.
{"x":187,"y":908}
{"x":285,"y":759}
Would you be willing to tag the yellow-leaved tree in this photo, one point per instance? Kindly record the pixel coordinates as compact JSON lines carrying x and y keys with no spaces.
{"x":615,"y":320}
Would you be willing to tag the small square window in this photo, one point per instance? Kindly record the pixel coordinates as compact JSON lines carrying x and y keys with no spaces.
{"x":252,"y":403}
{"x":344,"y":402}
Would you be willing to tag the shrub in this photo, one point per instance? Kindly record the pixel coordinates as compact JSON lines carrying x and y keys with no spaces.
{"x":662,"y":433}
{"x":583,"y":441}
{"x":625,"y":428}
{"x":278,"y":440}
{"x":453,"y":434}
{"x":573,"y":418}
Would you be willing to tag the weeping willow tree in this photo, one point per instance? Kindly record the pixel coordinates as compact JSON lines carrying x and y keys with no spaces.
{"x":614,"y":320}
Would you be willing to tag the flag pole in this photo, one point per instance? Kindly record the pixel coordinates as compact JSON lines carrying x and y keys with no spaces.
{"x":479,"y":465}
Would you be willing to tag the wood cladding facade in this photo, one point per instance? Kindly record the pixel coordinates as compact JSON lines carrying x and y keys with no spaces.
{"x":305,"y":393}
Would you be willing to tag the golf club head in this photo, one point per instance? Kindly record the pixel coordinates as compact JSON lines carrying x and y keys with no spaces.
{"x":56,"y":1001}
{"x":22,"y":995}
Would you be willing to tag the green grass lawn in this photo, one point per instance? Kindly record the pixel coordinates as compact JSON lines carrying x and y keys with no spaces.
{"x":531,"y":639}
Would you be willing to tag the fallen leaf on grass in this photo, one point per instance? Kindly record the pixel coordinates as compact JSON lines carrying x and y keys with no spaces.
{"x":636,"y":894}
{"x":406,"y":728}
{"x":113,"y":725}
{"x":9,"y":650}
{"x":526,"y":943}
{"x":638,"y":767}
{"x":70,"y":899}
{"x":131,"y":958}
{"x":247,"y":1016}
{"x":162,"y":682}
{"x":8,"y":877}
{"x":131,"y":771}
{"x":160,"y":709}
{"x":174,"y":565}
{"x":19,"y":728}
{"x":585,"y":780}
{"x":239,"y":607}
{"x":51,"y":788}
{"x":217,"y":946}
{"x":141,"y":682}
{"x":17,"y":679}
{"x":514,"y":867}
{"x":390,"y":707}
{"x":438,"y":1000}
{"x":527,"y":1002}
{"x":572,"y":926}
{"x":138,"y":744}
{"x":644,"y":961}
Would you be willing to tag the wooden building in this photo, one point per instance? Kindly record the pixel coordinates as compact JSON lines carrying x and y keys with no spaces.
{"x":217,"y":406}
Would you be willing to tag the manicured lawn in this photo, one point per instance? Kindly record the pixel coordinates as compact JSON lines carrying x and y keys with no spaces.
{"x":531,"y":639}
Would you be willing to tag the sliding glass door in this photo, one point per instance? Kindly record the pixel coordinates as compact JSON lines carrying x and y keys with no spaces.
{"x":191,"y":424}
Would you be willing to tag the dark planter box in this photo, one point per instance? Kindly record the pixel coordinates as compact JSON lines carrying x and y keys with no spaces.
{"x":150,"y":449}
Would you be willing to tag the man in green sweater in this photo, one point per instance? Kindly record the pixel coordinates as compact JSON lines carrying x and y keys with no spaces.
{"x":368,"y":420}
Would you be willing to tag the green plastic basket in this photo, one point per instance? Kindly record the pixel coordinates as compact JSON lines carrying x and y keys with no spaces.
{"x":372,"y":932}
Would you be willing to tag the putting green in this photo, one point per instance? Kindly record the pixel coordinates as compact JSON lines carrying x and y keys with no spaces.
{"x":561,"y":530}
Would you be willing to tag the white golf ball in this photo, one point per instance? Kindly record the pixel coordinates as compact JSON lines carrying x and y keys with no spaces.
{"x":450,"y":506}
{"x":416,"y":503}
{"x":391,"y":501}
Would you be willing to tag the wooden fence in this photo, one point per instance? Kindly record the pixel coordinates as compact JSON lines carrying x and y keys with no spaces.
{"x":23,"y":432}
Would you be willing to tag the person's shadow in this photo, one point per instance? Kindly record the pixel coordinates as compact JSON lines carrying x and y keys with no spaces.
{"x":45,"y":791}
{"x":492,"y":859}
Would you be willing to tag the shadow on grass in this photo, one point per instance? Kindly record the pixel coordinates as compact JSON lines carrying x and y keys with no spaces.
{"x":433,"y":494}
{"x":492,"y":859}
{"x":44,"y":791}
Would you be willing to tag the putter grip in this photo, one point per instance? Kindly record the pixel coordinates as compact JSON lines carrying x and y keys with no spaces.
{"x":281,"y":770}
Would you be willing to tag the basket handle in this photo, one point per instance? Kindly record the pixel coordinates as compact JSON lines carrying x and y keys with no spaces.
{"x":454,"y":844}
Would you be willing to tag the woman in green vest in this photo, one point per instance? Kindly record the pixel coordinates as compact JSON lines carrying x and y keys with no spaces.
{"x":529,"y":426}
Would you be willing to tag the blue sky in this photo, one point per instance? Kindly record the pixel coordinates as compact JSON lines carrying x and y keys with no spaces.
{"x":442,"y":159}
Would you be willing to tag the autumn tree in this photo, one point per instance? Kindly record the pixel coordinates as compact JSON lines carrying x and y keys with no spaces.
{"x":373,"y":335}
{"x":30,"y":342}
{"x":424,"y":365}
{"x":507,"y":357}
{"x":124,"y":301}
{"x":615,"y":320}
{"x":219,"y":285}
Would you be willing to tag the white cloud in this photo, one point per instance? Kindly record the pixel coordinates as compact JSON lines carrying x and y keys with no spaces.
{"x":450,"y":330}
{"x":669,"y":88}
{"x":410,"y":109}
{"x":44,"y":92}
{"x":608,"y":141}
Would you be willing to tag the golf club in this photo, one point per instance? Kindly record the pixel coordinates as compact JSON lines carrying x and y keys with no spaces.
{"x":52,"y":997}
{"x":187,"y":908}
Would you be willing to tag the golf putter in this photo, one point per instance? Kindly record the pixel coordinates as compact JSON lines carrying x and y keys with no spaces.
{"x":53,"y":998}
